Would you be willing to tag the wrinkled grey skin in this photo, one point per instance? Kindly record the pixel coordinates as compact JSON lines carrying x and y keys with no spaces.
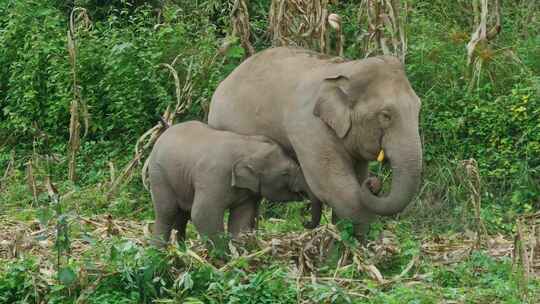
{"x":334,"y":116}
{"x":197,"y":172}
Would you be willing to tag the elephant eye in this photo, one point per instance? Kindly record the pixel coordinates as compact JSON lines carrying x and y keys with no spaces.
{"x":385,"y":118}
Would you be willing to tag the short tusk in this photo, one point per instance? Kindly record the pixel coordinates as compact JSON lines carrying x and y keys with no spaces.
{"x":380,"y":157}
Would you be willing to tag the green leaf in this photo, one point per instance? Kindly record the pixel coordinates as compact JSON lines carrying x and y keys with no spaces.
{"x":119,"y":48}
{"x":67,"y":276}
{"x":44,"y":215}
{"x":192,"y":300}
{"x":235,"y":52}
{"x":188,"y":282}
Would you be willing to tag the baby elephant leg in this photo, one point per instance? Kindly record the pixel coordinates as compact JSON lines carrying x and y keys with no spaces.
{"x":207,"y":216}
{"x":181,"y":223}
{"x":166,"y":209}
{"x":243,"y":218}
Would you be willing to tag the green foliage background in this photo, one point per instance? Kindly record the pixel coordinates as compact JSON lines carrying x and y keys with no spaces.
{"x":496,"y":122}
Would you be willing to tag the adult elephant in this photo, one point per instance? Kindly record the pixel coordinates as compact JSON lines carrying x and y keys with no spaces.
{"x":334,"y":116}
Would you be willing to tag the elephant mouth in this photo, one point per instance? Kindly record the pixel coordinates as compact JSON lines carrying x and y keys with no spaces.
{"x":370,"y":152}
{"x":370,"y":155}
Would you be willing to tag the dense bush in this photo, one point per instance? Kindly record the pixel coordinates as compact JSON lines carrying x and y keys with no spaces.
{"x":117,"y":67}
{"x":496,"y":122}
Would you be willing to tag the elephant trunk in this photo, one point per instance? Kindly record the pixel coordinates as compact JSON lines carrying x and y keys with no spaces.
{"x":406,"y":161}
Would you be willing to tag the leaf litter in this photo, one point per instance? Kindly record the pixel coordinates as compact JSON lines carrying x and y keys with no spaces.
{"x":304,"y":252}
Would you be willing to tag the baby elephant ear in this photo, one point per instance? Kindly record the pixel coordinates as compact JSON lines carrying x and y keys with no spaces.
{"x":333,"y":105}
{"x":244,"y":176}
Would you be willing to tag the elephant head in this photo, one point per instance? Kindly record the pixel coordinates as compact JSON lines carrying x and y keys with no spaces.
{"x":271,"y":173}
{"x":371,"y":107}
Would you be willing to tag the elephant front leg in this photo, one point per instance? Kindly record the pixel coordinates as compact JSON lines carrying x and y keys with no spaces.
{"x":361,"y":169}
{"x":360,"y":229}
{"x":331,"y":173}
{"x":207,"y":215}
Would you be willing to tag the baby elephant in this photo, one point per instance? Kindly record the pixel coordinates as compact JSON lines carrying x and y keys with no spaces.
{"x":199,"y":172}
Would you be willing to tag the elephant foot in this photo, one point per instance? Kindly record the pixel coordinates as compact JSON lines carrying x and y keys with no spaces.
{"x":310,"y":225}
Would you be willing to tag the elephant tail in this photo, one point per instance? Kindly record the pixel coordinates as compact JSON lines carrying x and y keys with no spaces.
{"x":144,"y":174}
{"x":144,"y":171}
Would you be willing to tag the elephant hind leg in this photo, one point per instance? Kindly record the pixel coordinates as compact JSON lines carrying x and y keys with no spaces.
{"x":166,"y":208}
{"x":316,"y":212}
{"x":181,"y":224}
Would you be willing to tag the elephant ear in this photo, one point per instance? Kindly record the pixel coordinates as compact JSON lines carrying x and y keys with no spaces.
{"x":334,"y":106}
{"x":244,"y":175}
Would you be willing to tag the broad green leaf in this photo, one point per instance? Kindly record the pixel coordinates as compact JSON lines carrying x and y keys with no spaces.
{"x":67,"y":276}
